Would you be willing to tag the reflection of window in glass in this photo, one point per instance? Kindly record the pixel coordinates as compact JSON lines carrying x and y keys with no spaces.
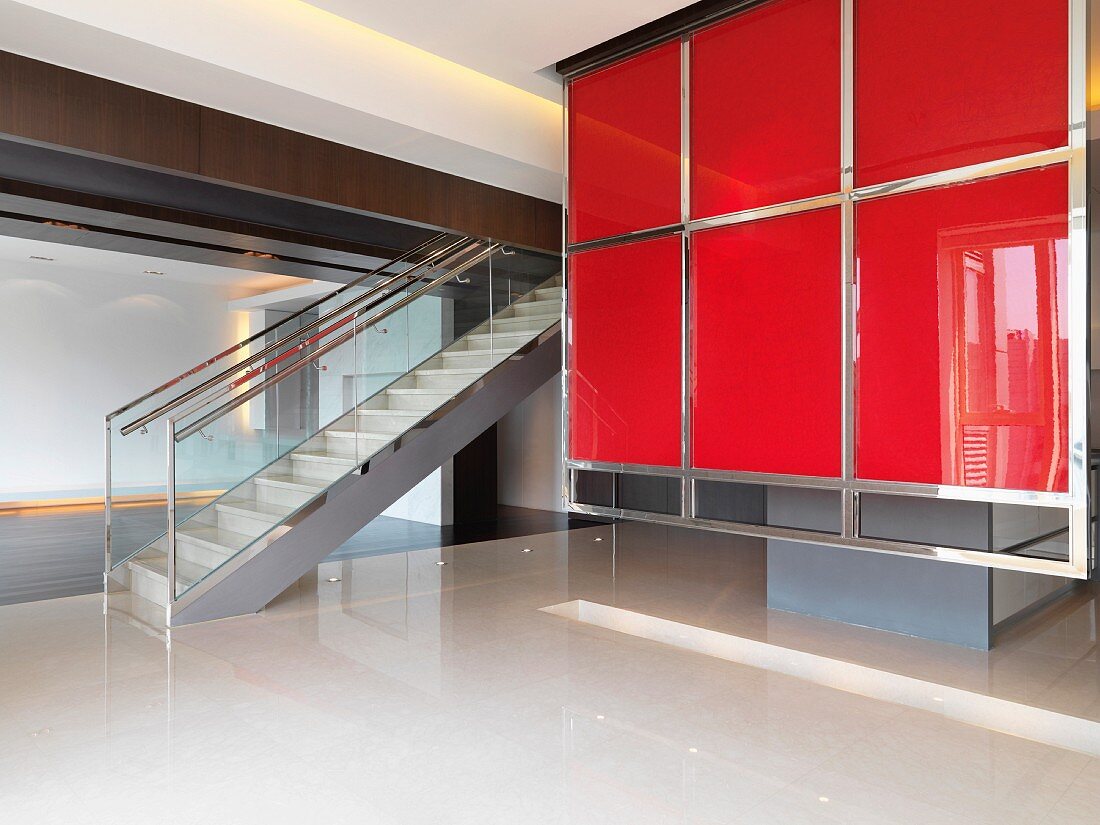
{"x":1003,"y":353}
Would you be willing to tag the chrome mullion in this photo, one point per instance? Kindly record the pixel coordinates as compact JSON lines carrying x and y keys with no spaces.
{"x":1078,"y":298}
{"x":952,"y":554}
{"x":685,"y":280}
{"x":962,"y":174}
{"x":626,"y":237}
{"x":849,"y":521}
{"x":992,"y":495}
{"x":566,"y":328}
{"x":762,"y":212}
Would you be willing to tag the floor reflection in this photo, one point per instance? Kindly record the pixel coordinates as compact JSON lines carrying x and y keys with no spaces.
{"x":409,"y":691}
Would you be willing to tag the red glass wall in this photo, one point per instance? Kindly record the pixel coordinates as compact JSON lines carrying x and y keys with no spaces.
{"x":766,"y":346}
{"x":625,"y":354}
{"x":624,"y":146}
{"x":948,"y":83}
{"x":765,"y":107}
{"x":962,"y":326}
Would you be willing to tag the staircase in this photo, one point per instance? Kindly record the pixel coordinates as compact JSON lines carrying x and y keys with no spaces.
{"x":278,"y":517}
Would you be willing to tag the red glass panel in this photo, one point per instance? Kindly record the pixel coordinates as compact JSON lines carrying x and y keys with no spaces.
{"x":962,"y":362}
{"x":624,"y":353}
{"x":948,"y":83}
{"x":766,"y":346}
{"x":624,"y":146}
{"x":765,"y":107}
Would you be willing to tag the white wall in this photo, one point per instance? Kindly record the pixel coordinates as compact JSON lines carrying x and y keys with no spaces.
{"x":529,"y":451}
{"x":78,"y":344}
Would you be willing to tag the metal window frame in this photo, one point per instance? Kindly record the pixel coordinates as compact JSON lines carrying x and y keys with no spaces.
{"x":1073,"y":154}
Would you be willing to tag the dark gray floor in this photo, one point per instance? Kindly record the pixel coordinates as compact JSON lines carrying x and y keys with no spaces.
{"x":53,"y":552}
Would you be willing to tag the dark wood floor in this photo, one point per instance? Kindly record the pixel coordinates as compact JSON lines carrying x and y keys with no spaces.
{"x":58,"y":551}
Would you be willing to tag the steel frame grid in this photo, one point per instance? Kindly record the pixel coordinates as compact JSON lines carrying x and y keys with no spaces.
{"x":1073,"y":154}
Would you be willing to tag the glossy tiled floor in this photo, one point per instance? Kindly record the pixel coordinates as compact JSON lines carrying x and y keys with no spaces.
{"x":413,"y":692}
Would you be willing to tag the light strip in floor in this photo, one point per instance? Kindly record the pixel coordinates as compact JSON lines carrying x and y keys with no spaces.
{"x":1027,"y":721}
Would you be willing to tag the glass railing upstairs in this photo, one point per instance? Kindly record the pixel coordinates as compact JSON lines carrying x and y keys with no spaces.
{"x":135,"y":444}
{"x":300,"y":421}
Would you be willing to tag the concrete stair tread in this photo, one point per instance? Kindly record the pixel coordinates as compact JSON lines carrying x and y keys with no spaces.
{"x":417,"y":391}
{"x":322,"y":456}
{"x":214,"y":538}
{"x":187,"y":573}
{"x":259,"y":510}
{"x":450,"y":371}
{"x":510,"y":333}
{"x":370,"y":436}
{"x":290,"y":482}
{"x":407,"y":413}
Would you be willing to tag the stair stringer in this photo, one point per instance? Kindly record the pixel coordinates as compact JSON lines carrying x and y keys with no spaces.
{"x":248,"y":582}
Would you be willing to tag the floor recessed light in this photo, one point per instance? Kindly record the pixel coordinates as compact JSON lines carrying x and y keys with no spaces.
{"x":334,"y":578}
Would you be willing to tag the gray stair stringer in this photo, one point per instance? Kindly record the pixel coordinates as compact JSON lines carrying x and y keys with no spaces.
{"x":247,"y":585}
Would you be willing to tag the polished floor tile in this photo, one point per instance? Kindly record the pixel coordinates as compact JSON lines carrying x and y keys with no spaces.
{"x":413,"y":692}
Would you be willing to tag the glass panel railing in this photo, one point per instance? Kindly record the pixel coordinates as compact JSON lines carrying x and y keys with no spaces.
{"x":346,"y":396}
{"x":136,"y":483}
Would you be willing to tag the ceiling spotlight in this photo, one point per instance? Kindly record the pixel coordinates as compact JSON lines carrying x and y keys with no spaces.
{"x":154,"y":272}
{"x":440,"y":563}
{"x":40,"y":258}
{"x":334,"y":579}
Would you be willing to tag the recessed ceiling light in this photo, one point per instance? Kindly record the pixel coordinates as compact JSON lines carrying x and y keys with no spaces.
{"x":154,"y":272}
{"x":334,"y":578}
{"x":598,"y":539}
{"x":693,"y":750}
{"x":40,"y":258}
{"x":440,"y":563}
{"x":823,"y":799}
{"x":599,"y":716}
{"x":526,"y":549}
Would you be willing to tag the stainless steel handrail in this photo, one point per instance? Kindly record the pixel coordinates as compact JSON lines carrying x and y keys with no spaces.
{"x":251,"y":393}
{"x":447,"y":253}
{"x":416,"y":250}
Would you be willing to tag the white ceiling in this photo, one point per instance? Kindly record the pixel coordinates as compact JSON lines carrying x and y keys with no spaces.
{"x":511,"y":40}
{"x":27,"y":252}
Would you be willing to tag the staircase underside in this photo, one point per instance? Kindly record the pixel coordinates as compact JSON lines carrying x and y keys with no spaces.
{"x":250,"y":580}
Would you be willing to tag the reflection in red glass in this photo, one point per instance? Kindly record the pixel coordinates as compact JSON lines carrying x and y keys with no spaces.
{"x":962,"y":325}
{"x":624,"y":146}
{"x":947,"y":83}
{"x":766,"y":131}
{"x":625,"y":353}
{"x":766,"y":346}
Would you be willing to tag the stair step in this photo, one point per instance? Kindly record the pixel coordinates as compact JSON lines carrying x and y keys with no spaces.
{"x":322,"y":457}
{"x":450,"y":371}
{"x":289,"y":482}
{"x":211,"y":537}
{"x":258,"y":510}
{"x":363,"y":435}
